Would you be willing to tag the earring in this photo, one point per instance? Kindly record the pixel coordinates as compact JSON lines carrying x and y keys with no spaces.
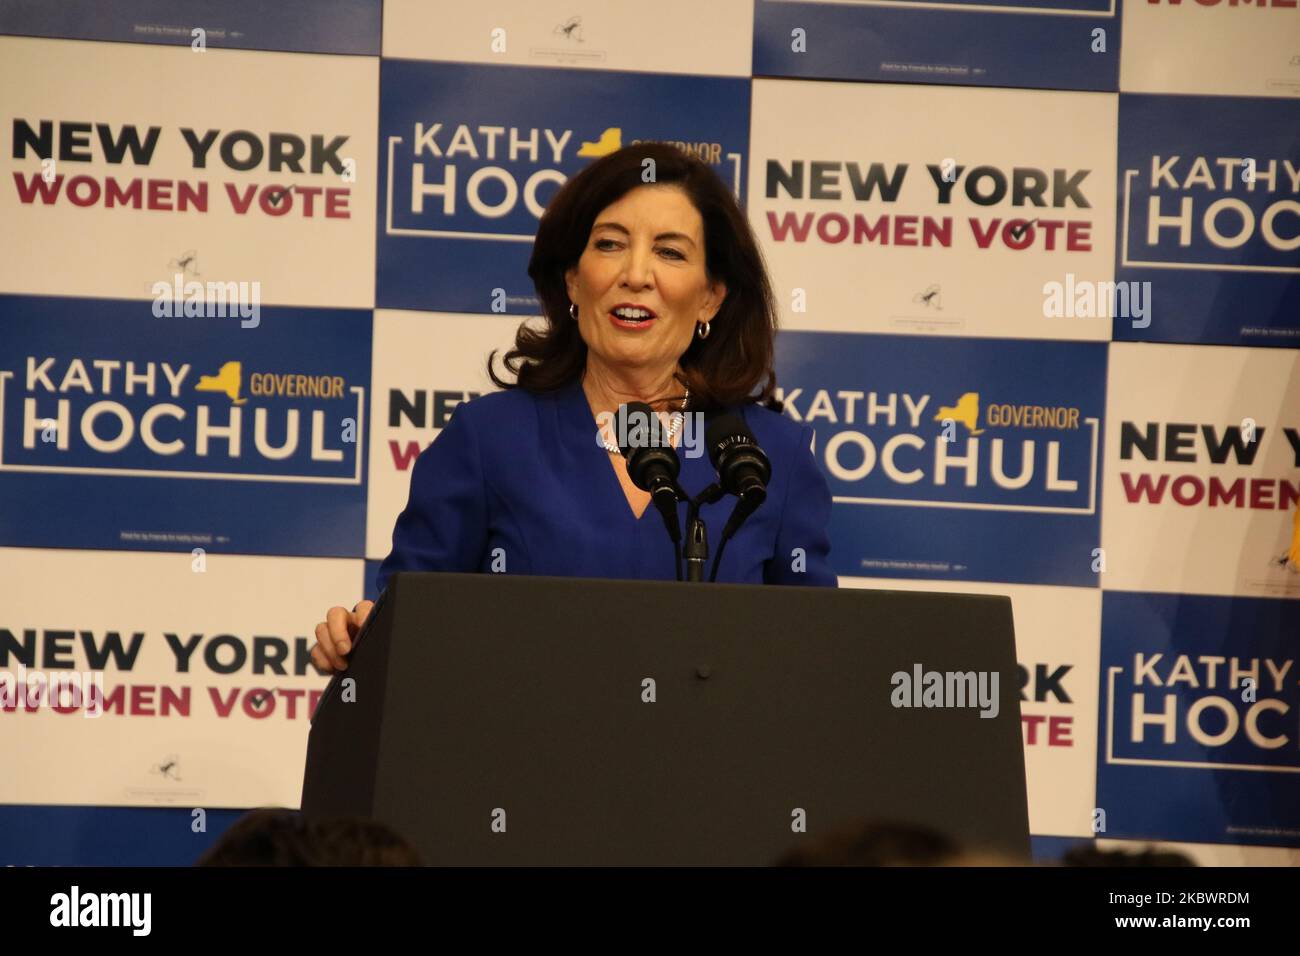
{"x":702,"y":329}
{"x":573,"y":311}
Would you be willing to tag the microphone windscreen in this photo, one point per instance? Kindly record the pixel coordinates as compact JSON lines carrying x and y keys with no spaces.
{"x":637,"y":426}
{"x":724,"y":431}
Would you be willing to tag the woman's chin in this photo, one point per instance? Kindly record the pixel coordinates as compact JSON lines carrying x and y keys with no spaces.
{"x":627,"y":356}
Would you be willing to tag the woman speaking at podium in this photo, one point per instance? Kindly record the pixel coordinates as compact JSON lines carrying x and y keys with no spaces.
{"x":653,"y":290}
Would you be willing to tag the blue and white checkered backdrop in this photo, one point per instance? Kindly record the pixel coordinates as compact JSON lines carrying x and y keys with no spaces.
{"x":1037,"y":263}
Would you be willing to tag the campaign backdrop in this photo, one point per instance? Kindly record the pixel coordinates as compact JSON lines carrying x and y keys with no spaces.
{"x":1037,"y":267}
{"x":1209,"y":219}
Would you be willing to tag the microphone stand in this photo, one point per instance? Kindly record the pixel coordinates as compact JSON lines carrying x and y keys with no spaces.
{"x":695,"y":549}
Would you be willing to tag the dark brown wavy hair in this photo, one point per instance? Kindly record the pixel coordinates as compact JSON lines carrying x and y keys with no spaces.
{"x":734,"y":365}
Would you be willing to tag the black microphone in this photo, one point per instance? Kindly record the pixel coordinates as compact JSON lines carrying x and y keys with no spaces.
{"x":743,"y":468}
{"x":652,"y":461}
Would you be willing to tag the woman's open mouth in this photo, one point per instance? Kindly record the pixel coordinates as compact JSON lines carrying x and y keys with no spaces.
{"x":631,"y":317}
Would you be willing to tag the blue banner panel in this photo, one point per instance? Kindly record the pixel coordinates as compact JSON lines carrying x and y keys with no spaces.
{"x":122,"y":429}
{"x":108,"y":836}
{"x":1209,"y":219}
{"x":1049,"y":850}
{"x":962,"y":459}
{"x":1036,"y":44}
{"x":470,"y":155}
{"x":298,"y":26}
{"x":1199,"y":724}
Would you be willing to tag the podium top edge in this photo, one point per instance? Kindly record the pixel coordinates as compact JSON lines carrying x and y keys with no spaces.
{"x":481,"y":580}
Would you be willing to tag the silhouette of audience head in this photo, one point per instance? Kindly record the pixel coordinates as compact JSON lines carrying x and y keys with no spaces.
{"x":1092,"y":855}
{"x":278,"y":837}
{"x":877,"y":844}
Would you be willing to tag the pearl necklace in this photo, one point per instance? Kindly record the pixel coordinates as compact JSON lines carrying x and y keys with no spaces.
{"x":672,"y":428}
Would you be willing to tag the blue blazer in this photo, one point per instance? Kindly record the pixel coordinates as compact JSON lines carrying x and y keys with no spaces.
{"x":523,"y":473}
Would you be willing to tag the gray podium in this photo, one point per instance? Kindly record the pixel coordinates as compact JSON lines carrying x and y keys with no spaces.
{"x":522,"y":700}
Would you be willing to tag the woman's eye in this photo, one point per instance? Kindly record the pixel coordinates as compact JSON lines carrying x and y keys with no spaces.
{"x":605,"y":245}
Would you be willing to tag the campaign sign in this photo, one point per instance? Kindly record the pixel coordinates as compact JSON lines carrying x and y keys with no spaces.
{"x":1045,"y":44}
{"x":470,"y":155}
{"x":906,"y":209}
{"x":972,"y":459}
{"x":300,"y":26}
{"x":1209,"y":216}
{"x":121,"y":428}
{"x":1223,"y":47}
{"x":240,"y":165}
{"x":1199,"y":725}
{"x":160,"y":679}
{"x":1202,"y":477}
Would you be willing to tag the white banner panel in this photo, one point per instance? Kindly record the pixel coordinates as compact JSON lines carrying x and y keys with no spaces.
{"x":1220,"y":47}
{"x":203,"y":660}
{"x":220,"y":166}
{"x":921,"y":209}
{"x":1202,"y":470}
{"x":673,"y":36}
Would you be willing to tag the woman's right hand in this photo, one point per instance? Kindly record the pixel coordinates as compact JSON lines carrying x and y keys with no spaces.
{"x":336,"y":634}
